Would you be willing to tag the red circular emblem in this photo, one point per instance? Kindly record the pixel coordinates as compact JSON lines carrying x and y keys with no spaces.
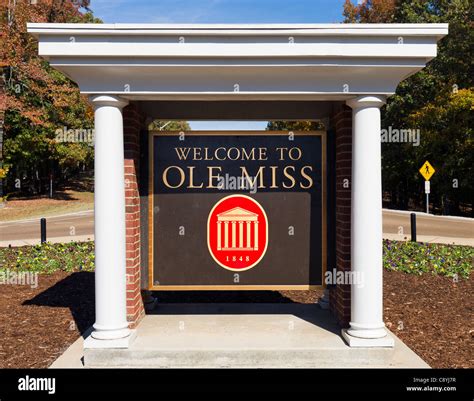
{"x":237,"y":232}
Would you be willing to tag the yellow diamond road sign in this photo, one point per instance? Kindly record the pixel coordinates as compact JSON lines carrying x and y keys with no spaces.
{"x":427,"y":170}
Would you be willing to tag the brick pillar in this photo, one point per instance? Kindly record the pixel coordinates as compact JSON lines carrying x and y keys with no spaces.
{"x":132,"y":125}
{"x":340,"y":296}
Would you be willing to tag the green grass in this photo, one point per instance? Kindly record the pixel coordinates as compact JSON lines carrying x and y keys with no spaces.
{"x":64,"y":203}
{"x":410,"y":257}
{"x":453,"y":261}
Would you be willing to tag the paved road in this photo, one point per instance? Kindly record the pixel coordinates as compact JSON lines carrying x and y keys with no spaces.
{"x":396,"y":225}
{"x":443,"y":226}
{"x":78,"y":225}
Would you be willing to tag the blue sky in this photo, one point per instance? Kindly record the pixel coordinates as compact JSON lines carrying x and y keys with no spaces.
{"x":219,"y":11}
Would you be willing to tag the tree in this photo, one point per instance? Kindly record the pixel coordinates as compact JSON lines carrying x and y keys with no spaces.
{"x":447,"y":146}
{"x":436,"y":100}
{"x":294,"y":126}
{"x":159,"y":125}
{"x":373,"y":11}
{"x":39,"y":100}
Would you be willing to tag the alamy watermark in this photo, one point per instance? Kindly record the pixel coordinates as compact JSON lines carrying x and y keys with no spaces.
{"x":332,"y":277}
{"x":12,"y":277}
{"x":79,"y":135}
{"x":241,"y":183}
{"x":28,"y":383}
{"x":405,"y":135}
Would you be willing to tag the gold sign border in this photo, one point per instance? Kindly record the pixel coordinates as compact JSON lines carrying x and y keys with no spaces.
{"x":236,"y":287}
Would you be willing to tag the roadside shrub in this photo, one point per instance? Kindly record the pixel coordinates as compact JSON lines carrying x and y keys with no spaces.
{"x":48,"y":258}
{"x":453,"y":261}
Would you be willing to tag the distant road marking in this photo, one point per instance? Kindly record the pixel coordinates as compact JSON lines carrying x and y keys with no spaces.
{"x":424,"y":214}
{"x":23,"y":221}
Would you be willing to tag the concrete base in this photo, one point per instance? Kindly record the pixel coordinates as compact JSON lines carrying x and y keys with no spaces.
{"x":120,"y":343}
{"x":246,"y":336}
{"x":352,"y":341}
{"x":72,"y":358}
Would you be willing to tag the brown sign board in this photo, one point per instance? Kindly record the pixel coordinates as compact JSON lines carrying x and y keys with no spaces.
{"x":237,"y":210}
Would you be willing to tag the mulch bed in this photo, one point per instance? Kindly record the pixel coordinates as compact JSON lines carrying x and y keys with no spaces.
{"x":431,"y":314}
{"x":38,"y":324}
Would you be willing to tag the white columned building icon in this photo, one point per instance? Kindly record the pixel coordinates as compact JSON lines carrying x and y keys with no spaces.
{"x":241,"y":222}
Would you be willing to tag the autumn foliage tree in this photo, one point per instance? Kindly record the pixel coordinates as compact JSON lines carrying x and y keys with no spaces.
{"x":438,"y":101}
{"x":39,"y":100}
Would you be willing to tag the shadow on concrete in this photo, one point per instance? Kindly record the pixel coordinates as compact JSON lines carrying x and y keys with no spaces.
{"x":75,"y":292}
{"x":253,"y":303}
{"x":221,"y":297}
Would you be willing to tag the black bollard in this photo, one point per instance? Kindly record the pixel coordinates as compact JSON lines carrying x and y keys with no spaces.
{"x":413,"y":226}
{"x":43,"y":230}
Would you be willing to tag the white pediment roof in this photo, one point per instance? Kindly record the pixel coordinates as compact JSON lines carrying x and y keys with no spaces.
{"x":237,"y":212}
{"x":238,"y":62}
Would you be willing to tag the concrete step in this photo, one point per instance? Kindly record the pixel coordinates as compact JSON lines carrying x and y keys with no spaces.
{"x":245,"y":336}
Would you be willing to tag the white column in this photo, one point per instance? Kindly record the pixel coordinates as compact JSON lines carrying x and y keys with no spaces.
{"x":219,"y":224}
{"x":241,"y":234}
{"x":255,"y":239}
{"x":109,"y":211}
{"x":248,"y":235}
{"x":226,"y":234}
{"x":234,"y":236}
{"x":367,"y":328}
